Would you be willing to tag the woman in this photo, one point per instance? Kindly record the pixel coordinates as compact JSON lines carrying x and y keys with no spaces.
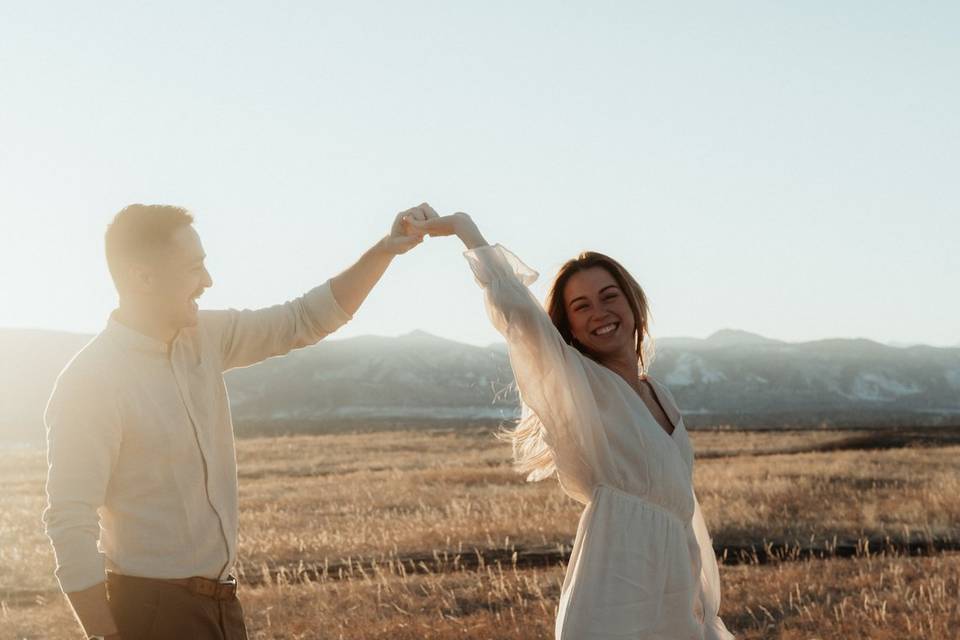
{"x":642,"y":564}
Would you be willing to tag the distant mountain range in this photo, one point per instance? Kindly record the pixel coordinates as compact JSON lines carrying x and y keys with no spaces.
{"x":732,"y":377}
{"x":736,"y":373}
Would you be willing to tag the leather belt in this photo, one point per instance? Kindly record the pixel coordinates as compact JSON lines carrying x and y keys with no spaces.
{"x":226,"y":590}
{"x":216,"y":589}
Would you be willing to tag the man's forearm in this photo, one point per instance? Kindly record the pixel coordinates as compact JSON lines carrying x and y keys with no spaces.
{"x":91,"y":608}
{"x":351,"y":287}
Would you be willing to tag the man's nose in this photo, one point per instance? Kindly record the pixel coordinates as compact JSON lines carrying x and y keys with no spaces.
{"x":207,"y":279}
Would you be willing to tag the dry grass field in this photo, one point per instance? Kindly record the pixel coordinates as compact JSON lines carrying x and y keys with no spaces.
{"x":430,"y":534}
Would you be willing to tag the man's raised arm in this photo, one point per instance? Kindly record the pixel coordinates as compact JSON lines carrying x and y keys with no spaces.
{"x":351,"y":287}
{"x":249,"y":336}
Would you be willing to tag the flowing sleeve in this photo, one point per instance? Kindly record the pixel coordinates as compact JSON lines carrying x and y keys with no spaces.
{"x":709,"y":596}
{"x":553,"y":378}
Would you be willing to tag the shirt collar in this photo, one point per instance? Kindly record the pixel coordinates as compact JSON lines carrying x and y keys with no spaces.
{"x":133,"y":339}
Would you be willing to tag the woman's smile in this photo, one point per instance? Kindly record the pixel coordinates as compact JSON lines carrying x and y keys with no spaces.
{"x":606,"y":330}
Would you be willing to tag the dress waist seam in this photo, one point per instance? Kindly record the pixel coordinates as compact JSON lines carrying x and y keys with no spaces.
{"x":646,"y":501}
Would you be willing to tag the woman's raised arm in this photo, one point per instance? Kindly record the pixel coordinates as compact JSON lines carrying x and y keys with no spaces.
{"x":553,"y":377}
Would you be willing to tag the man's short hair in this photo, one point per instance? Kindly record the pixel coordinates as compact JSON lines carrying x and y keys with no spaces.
{"x":137,"y":231}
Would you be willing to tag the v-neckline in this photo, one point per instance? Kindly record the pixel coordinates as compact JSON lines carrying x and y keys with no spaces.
{"x":656,"y":396}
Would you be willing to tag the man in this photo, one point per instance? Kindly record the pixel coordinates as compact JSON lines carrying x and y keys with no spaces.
{"x":142,"y":480}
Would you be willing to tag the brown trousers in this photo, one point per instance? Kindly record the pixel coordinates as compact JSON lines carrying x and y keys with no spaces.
{"x":147,"y":609}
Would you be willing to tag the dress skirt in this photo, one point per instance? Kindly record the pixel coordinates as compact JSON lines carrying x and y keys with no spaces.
{"x":633,"y":573}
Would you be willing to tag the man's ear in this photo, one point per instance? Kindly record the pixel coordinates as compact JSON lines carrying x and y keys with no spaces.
{"x":140,"y":278}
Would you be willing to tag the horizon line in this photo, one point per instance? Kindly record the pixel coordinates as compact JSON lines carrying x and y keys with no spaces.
{"x":896,"y":344}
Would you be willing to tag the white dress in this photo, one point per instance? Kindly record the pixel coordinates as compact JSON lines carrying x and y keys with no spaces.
{"x":642,"y":565}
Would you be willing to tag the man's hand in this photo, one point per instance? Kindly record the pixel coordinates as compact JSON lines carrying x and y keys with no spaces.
{"x":91,"y":608}
{"x":403,"y":236}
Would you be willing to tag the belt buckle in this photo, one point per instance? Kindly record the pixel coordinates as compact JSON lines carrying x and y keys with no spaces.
{"x":227,"y":589}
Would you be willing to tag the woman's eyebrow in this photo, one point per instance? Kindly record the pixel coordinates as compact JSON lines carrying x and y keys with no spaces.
{"x":584,"y":298}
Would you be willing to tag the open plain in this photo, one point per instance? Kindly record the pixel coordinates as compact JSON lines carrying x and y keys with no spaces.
{"x":430,"y":534}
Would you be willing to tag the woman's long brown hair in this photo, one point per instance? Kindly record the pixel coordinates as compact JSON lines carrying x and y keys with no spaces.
{"x":530,"y":452}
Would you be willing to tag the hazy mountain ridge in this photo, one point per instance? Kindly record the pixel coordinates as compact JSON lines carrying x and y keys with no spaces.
{"x":751,"y":376}
{"x":416,"y":375}
{"x":731,"y":377}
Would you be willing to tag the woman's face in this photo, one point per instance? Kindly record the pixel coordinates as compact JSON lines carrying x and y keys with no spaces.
{"x":600,"y":316}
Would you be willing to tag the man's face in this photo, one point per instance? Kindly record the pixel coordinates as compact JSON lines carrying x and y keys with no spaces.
{"x":178,"y":278}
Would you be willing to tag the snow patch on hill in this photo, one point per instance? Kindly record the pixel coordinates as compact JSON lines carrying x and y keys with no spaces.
{"x":682,"y":373}
{"x":953,"y":378}
{"x":875,"y":387}
{"x":691,"y":369}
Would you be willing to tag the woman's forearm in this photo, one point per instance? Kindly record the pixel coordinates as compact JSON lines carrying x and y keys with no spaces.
{"x":468,"y":232}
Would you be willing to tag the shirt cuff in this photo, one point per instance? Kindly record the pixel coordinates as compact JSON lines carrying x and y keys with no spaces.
{"x":324,"y":309}
{"x":496,"y":262}
{"x":81,"y":575}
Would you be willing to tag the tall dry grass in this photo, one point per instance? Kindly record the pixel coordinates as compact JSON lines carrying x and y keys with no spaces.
{"x":877,"y":597}
{"x":367,"y":501}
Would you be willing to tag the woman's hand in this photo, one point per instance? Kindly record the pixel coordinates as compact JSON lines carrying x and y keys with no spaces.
{"x":459,"y":224}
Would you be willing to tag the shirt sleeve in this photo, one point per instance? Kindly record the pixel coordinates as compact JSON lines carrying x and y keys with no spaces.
{"x":83,"y":443}
{"x":249,"y":336}
{"x":552,"y":377}
{"x":709,"y":589}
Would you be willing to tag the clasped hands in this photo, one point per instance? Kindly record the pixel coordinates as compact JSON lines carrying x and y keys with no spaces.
{"x":411,"y":226}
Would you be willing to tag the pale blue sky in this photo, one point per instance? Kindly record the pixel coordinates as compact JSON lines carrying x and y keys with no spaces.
{"x":783,"y":168}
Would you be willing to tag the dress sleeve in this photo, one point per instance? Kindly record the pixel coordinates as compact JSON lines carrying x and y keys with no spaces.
{"x":249,"y":336}
{"x":709,"y":595}
{"x":553,"y":378}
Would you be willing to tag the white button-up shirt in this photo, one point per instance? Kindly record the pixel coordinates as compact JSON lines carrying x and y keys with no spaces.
{"x":142,"y":473}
